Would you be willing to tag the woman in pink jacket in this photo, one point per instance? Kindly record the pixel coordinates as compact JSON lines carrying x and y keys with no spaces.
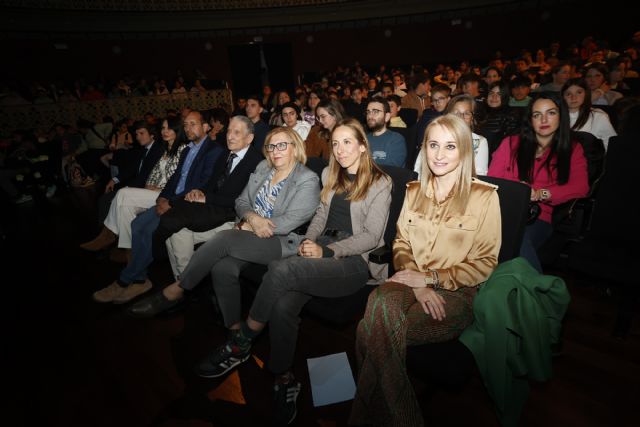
{"x":544,"y":157}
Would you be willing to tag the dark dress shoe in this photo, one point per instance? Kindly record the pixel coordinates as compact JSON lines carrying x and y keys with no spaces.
{"x":155,"y":304}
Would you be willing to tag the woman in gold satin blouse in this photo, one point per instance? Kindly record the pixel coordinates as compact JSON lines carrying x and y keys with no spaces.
{"x":447,"y":243}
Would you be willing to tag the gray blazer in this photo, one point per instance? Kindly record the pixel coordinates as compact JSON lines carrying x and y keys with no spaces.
{"x":368,"y":221}
{"x":294,"y":206}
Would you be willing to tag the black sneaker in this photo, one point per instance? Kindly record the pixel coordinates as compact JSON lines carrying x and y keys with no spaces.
{"x":285,"y":396}
{"x":225,"y":358}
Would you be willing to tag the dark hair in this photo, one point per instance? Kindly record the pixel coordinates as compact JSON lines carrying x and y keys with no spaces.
{"x":494,"y":69}
{"x":419,"y":79}
{"x":560,"y":147}
{"x":519,"y":81}
{"x":585,"y":108}
{"x":600,"y":68}
{"x":441,"y":88}
{"x":396,"y":99}
{"x":470,"y":77}
{"x":143,"y":124}
{"x":556,"y":68}
{"x":504,"y":93}
{"x":219,"y":115}
{"x":175,"y":124}
{"x":256,"y":98}
{"x":387,"y":84}
{"x":381,"y":100}
{"x":293,"y":105}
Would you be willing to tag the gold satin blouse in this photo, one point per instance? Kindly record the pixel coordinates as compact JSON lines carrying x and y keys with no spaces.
{"x":462,"y":248}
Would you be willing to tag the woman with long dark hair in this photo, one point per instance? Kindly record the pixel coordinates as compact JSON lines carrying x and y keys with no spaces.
{"x":328,"y":113}
{"x":545,"y":157}
{"x":500,"y":121}
{"x":582,"y":116}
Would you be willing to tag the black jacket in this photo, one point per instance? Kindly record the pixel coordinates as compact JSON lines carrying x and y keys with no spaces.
{"x":134,"y":175}
{"x":226,"y":196}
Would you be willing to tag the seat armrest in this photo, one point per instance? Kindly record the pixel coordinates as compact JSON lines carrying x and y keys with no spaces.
{"x":381,"y":255}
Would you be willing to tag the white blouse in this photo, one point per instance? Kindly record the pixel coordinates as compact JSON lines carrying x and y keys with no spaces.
{"x":597,"y":125}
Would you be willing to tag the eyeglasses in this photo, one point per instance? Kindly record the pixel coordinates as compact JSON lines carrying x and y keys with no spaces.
{"x":466,"y":114}
{"x":280,"y":146}
{"x":438,"y":100}
{"x":373,"y":112}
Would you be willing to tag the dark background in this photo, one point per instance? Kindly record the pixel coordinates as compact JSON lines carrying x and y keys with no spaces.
{"x":475,"y":35}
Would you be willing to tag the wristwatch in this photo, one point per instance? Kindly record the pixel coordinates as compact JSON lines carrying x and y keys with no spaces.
{"x":431,"y":279}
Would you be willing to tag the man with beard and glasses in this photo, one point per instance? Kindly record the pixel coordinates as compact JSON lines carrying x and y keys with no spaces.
{"x":387,"y":147}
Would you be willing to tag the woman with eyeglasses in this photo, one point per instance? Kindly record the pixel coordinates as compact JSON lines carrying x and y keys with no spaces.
{"x":332,"y":261}
{"x":464,"y":106}
{"x":281,"y":195}
{"x":328,"y":113}
{"x":544,"y":157}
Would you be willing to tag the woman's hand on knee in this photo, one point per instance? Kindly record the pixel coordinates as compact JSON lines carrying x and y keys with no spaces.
{"x":262,"y":227}
{"x":309,"y":249}
{"x":432,"y":303}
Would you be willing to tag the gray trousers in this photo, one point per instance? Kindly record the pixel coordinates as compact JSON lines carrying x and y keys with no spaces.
{"x":223,"y":257}
{"x":287,"y":287}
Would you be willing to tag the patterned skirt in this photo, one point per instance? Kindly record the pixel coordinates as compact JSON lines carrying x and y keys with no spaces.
{"x":393,"y":320}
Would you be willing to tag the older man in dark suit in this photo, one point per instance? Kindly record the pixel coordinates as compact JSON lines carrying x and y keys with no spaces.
{"x":209,"y":207}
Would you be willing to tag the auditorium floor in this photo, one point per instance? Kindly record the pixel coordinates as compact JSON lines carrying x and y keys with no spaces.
{"x":73,"y":362}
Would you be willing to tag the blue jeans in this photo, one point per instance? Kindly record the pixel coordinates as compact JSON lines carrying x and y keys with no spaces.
{"x":142,"y":228}
{"x":534,"y":237}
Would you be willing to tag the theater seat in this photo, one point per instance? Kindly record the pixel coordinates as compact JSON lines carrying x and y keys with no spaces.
{"x":450,"y":364}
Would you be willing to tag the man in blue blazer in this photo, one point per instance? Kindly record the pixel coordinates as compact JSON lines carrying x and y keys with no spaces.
{"x":194,"y":170}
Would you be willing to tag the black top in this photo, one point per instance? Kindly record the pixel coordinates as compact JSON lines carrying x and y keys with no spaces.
{"x":339,"y":217}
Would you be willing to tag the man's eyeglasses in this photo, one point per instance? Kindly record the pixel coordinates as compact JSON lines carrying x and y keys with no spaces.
{"x":373,"y":112}
{"x":280,"y":146}
{"x":466,"y":114}
{"x":438,"y":100}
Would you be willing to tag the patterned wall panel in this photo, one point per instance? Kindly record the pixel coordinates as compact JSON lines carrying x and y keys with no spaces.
{"x":43,"y":116}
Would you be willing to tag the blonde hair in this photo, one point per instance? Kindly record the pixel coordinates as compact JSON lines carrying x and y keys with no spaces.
{"x":368,"y":172}
{"x":466,"y":169}
{"x":293,"y":137}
